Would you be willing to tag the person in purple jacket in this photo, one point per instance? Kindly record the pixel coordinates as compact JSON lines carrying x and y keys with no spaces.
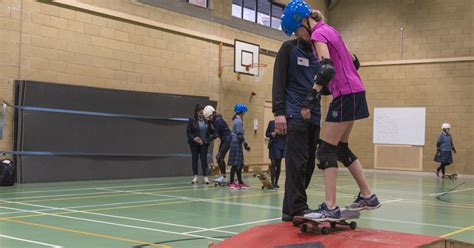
{"x":338,"y":71}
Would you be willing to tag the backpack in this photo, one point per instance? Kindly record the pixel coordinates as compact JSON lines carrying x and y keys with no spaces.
{"x":7,"y":173}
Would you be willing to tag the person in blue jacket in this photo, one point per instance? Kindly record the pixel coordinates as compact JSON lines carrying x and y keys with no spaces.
{"x":276,"y":148}
{"x":220,"y":130}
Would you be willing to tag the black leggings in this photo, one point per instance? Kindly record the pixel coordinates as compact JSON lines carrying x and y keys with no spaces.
{"x":234,"y":170}
{"x":275,"y":170}
{"x":442,"y":168}
{"x":223,"y":149}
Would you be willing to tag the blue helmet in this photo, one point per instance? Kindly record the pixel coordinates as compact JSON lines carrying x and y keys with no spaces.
{"x":240,"y":108}
{"x":292,"y":15}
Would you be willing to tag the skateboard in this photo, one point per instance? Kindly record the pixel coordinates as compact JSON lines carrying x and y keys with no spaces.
{"x":262,"y":176}
{"x":307,"y":224}
{"x":451,"y":176}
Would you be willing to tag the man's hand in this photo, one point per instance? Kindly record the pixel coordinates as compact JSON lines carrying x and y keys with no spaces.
{"x":305,"y":113}
{"x":274,"y":134}
{"x":280,"y":124}
{"x":198,"y":140}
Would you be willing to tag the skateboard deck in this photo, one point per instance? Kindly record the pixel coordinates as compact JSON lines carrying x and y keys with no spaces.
{"x":262,"y":177}
{"x":451,"y":176}
{"x":307,"y":224}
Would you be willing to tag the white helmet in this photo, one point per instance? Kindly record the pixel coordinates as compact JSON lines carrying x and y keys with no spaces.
{"x":208,"y":111}
{"x":446,"y":126}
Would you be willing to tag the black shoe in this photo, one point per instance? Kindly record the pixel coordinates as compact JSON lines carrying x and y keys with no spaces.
{"x":286,"y":217}
{"x":276,"y":186}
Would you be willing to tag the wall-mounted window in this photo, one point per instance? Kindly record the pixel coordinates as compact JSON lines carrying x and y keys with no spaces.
{"x":264,"y":12}
{"x":200,"y":3}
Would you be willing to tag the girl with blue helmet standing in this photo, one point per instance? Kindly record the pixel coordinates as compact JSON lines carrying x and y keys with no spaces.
{"x":338,"y":71}
{"x":236,"y":154}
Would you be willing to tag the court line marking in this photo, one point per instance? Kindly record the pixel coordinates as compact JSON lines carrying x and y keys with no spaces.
{"x":241,"y":224}
{"x":136,"y":206}
{"x":429,"y":203}
{"x":76,"y":189}
{"x":85,"y":233}
{"x":83,"y":194}
{"x":110,"y":195}
{"x":202,"y":200}
{"x":458,"y":231}
{"x":279,"y":192}
{"x":120,"y":217}
{"x":113,"y":224}
{"x":96,"y":205}
{"x":30,"y":241}
{"x":454,"y":191}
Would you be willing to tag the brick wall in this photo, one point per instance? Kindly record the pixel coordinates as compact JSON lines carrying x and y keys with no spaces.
{"x":65,"y":45}
{"x":432,"y":29}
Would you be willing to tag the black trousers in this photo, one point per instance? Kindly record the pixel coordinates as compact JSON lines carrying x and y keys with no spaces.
{"x":199,"y":152}
{"x":301,"y":143}
{"x":223,"y":149}
{"x":275,"y":170}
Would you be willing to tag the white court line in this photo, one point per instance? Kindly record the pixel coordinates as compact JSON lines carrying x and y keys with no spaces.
{"x":200,"y":199}
{"x":390,"y":201}
{"x":30,"y":241}
{"x":109,"y":187}
{"x":421,"y":202}
{"x":460,"y":190}
{"x":118,"y":217}
{"x":96,"y":205}
{"x":85,"y":194}
{"x":419,"y":195}
{"x":241,"y":224}
{"x":112,"y":223}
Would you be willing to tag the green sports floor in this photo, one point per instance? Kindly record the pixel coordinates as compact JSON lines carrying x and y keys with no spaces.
{"x":170,"y":212}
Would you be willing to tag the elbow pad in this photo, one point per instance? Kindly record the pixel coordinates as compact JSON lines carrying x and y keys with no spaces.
{"x":356,"y":62}
{"x":240,"y":137}
{"x":326,"y":72}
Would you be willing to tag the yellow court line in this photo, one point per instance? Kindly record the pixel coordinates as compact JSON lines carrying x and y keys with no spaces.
{"x":108,"y":195}
{"x":86,"y":233}
{"x":135,"y":206}
{"x":458,"y":231}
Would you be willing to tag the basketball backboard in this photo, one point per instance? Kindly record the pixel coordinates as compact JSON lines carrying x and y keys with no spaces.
{"x":246,"y":56}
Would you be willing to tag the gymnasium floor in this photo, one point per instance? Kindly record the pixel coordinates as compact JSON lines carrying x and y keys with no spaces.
{"x":170,"y":212}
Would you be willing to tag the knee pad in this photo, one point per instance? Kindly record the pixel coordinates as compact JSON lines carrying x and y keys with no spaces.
{"x":345,"y":155}
{"x":327,"y":155}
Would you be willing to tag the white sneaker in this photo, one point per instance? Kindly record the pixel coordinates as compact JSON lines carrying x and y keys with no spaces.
{"x":206,"y":180}
{"x":220,"y":179}
{"x":195,"y":179}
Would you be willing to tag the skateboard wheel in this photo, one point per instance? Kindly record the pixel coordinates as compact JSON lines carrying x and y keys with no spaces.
{"x":353,"y":225}
{"x":304,"y":228}
{"x":333,"y":224}
{"x":324,"y":230}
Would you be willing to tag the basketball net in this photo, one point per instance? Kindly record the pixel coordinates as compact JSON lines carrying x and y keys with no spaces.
{"x":260,"y":69}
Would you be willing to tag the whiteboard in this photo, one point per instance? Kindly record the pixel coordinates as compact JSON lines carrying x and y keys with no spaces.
{"x":399,"y":126}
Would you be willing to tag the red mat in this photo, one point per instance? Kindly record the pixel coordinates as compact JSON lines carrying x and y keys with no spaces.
{"x":284,"y":233}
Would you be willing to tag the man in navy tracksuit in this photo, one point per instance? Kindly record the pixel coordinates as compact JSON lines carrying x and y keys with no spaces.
{"x":294,"y":71}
